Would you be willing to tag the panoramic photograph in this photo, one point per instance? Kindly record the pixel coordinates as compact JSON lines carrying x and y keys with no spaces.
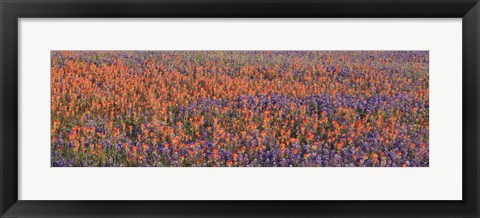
{"x":239,"y":108}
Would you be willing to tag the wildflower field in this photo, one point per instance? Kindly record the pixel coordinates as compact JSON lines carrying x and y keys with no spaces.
{"x":240,"y":108}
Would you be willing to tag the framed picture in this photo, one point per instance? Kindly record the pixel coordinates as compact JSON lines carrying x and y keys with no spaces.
{"x":276,"y":108}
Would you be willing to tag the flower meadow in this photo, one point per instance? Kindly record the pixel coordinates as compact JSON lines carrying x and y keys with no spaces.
{"x":239,"y":109}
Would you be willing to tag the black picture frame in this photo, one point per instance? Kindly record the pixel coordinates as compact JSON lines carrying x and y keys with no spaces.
{"x":11,"y":11}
